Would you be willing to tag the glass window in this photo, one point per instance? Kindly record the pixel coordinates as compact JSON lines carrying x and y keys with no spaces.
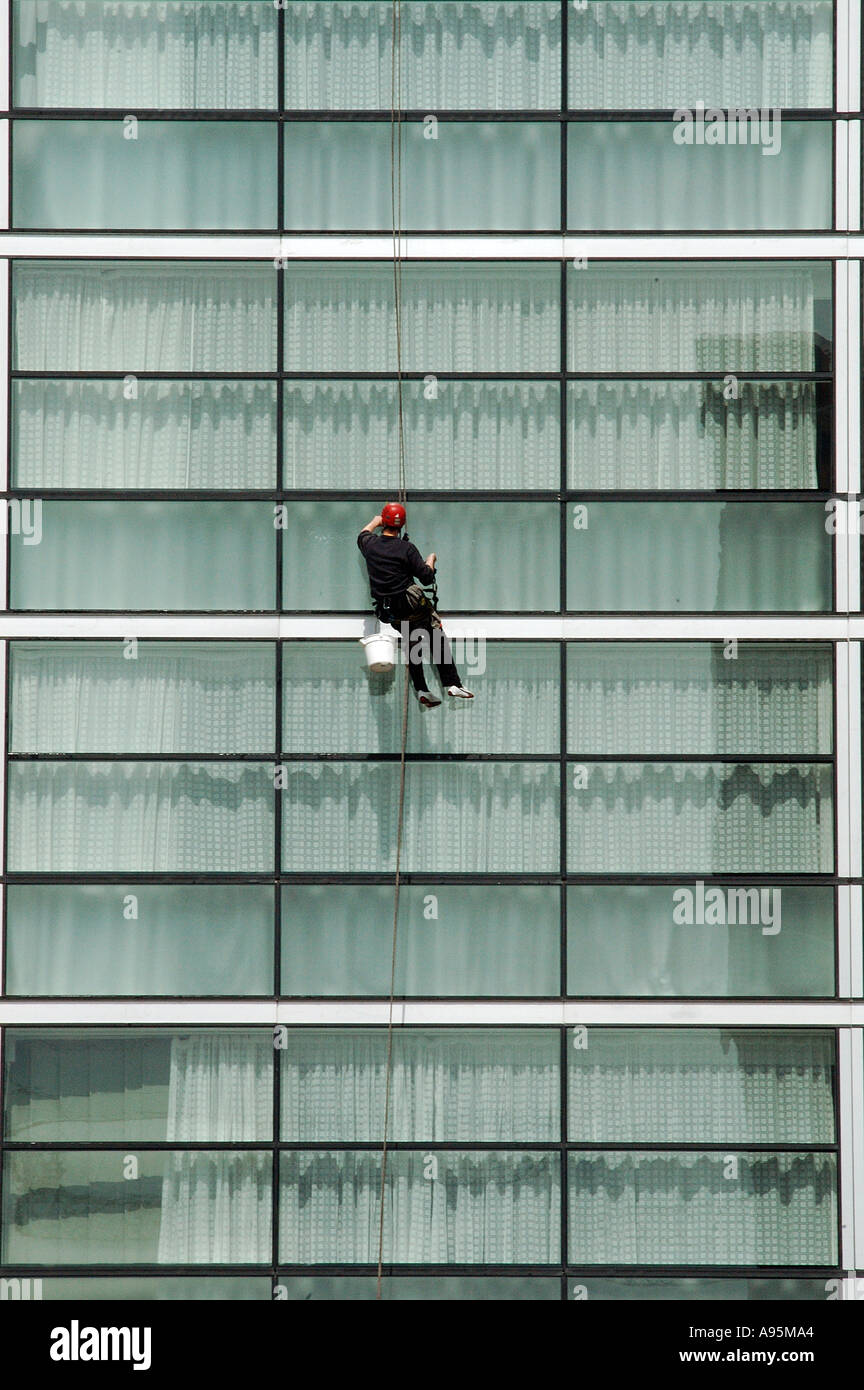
{"x":497,"y":1207}
{"x":79,"y":817}
{"x":625,"y":55}
{"x":145,"y":316}
{"x":143,"y":1288}
{"x":707,"y":173}
{"x":151,"y":556}
{"x":459,"y":817}
{"x":681,"y":436}
{"x":139,"y":939}
{"x":700,"y":1208}
{"x":700,"y":1085}
{"x":478,"y":175}
{"x":705,"y":557}
{"x":189,"y":175}
{"x":142,"y":697}
{"x":79,"y":1207}
{"x":458,"y":316}
{"x":700,"y":818}
{"x":730,"y":1289}
{"x":516,"y":710}
{"x":414,"y":1287}
{"x":699,"y":316}
{"x":466,"y":940}
{"x":215,"y":436}
{"x":623,"y":940}
{"x":488,"y":55}
{"x":177,"y":54}
{"x":500,"y":556}
{"x":700,"y":697}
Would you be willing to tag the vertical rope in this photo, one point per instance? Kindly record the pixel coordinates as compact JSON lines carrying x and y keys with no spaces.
{"x":396,"y":213}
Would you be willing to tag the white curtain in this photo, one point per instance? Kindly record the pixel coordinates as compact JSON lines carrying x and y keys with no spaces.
{"x":172,"y":54}
{"x":668,"y":1209}
{"x":459,"y":817}
{"x":469,"y":435}
{"x":147,"y":817}
{"x":678,"y":435}
{"x":663,"y":54}
{"x":463,"y":55}
{"x":172,"y":697}
{"x":702,"y":317}
{"x":690,"y":1085}
{"x":689,"y":698}
{"x":144,"y":316}
{"x":702,"y":818}
{"x":480,"y":1208}
{"x":469,"y":1084}
{"x":207,"y":436}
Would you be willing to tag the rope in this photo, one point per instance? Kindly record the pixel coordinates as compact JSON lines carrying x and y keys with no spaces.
{"x":396,"y":212}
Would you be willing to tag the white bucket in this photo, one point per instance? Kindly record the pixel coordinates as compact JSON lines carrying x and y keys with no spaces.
{"x":380,"y":650}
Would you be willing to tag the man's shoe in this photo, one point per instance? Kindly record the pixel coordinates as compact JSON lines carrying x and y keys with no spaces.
{"x":427,"y":699}
{"x":459,"y":692}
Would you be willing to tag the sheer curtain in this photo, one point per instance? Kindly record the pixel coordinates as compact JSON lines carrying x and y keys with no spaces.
{"x":479,"y":1208}
{"x":172,"y":697}
{"x":147,"y":817}
{"x":698,"y":317}
{"x":216,"y":1206}
{"x":173,"y":54}
{"x":480,"y":54}
{"x":688,"y":698}
{"x":144,"y":316}
{"x":702,"y":818}
{"x":474,"y":435}
{"x":209,"y":436}
{"x":446,"y":1084}
{"x":459,"y":817}
{"x":659,"y":54}
{"x":677,"y":435}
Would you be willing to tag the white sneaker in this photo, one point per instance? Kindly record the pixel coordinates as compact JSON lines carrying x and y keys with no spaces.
{"x":459,"y":692}
{"x":427,"y":699}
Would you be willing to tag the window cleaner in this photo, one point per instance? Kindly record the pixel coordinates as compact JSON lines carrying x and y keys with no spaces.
{"x":394,"y":563}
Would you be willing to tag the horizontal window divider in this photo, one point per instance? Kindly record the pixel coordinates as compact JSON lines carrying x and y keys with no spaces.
{"x":548,"y":496}
{"x":402,"y":1146}
{"x":23,"y":374}
{"x":552,"y":757}
{"x":409,"y":1271}
{"x":571,"y":115}
{"x":612,"y":879}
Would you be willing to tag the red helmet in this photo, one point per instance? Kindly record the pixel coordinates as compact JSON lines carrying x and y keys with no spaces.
{"x":393,"y":514}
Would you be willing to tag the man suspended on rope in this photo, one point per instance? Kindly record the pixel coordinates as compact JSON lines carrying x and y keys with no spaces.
{"x":394,"y":564}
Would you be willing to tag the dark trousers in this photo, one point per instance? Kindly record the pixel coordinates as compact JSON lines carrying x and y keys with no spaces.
{"x":425,"y":642}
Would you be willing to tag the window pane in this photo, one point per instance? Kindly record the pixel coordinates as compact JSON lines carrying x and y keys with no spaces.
{"x":705,"y":557}
{"x":501,"y":556}
{"x":730,"y":1289}
{"x":148,"y":316}
{"x":177,"y":54}
{"x":486,"y":55}
{"x":699,"y":316}
{"x":148,"y":556}
{"x":478,"y":175}
{"x":696,"y":697}
{"x":629,"y":55}
{"x":331,"y":704}
{"x":708,"y":1085}
{"x":686,"y":435}
{"x":158,"y":697}
{"x":483,"y":1208}
{"x":700,"y":186}
{"x":93,"y":1085}
{"x":473,"y":1084}
{"x":205,"y":1207}
{"x":198,"y":435}
{"x":462,"y":316}
{"x":468,"y":435}
{"x":139,"y":938}
{"x":140,"y":817}
{"x":189,"y":175}
{"x":622,"y":941}
{"x":459,"y":817}
{"x":702,"y":818}
{"x":680,"y":1209}
{"x":482,"y":940}
{"x":415,"y":1287}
